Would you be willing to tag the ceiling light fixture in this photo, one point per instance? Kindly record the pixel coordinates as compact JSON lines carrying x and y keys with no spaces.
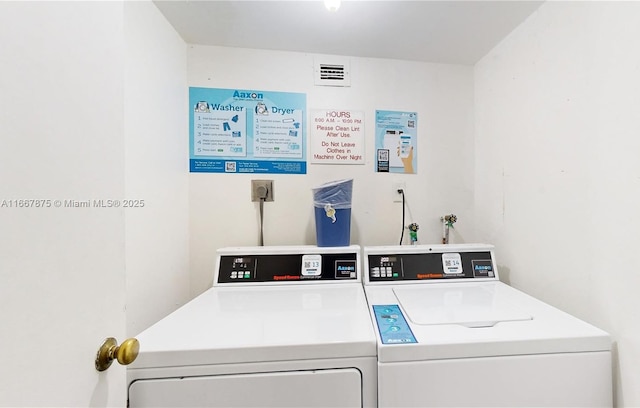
{"x":332,"y":5}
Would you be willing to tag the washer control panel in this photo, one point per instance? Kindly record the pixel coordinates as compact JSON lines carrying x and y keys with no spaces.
{"x":392,"y":326}
{"x":288,"y":267}
{"x":430,"y":266}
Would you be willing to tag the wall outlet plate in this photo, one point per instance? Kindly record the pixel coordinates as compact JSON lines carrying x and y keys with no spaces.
{"x":398,"y":185}
{"x":261,"y":187}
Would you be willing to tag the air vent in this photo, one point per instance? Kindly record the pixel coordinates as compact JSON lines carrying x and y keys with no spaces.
{"x":335,"y":72}
{"x":332,"y":73}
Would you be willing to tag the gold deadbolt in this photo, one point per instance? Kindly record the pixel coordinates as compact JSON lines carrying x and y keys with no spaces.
{"x":125,"y":353}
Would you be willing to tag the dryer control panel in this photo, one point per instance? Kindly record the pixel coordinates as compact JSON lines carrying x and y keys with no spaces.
{"x":245,"y":268}
{"x":430,"y":266}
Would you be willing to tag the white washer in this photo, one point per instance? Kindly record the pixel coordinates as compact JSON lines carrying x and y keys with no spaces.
{"x":282,"y":327}
{"x":451,"y":334}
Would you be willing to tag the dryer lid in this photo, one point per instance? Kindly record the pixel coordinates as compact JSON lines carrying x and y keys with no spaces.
{"x":462,"y":304}
{"x":253,"y":324}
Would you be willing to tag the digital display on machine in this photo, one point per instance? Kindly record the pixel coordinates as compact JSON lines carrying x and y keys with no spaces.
{"x":287,"y":267}
{"x":243,"y":268}
{"x":385,"y":267}
{"x":449,"y":265}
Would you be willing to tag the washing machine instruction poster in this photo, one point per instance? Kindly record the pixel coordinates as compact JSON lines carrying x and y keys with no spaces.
{"x":246,"y":131}
{"x":396,"y":142}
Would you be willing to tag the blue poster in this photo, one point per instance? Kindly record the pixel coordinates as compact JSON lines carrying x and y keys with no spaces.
{"x":396,"y":142}
{"x":246,"y":131}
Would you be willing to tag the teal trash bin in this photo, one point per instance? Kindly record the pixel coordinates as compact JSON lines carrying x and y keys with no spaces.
{"x":332,"y":209}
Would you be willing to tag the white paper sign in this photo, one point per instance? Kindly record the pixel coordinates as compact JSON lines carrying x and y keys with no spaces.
{"x":451,"y":263}
{"x":311,"y":265}
{"x":337,"y":137}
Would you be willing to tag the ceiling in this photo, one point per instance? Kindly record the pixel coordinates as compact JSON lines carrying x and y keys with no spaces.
{"x":454,"y":32}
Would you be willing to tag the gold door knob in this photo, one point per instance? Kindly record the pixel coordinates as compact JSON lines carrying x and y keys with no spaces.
{"x":125,"y":353}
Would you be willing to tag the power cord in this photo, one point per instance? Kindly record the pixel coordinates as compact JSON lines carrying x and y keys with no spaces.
{"x":401,"y":191}
{"x":262,"y":193}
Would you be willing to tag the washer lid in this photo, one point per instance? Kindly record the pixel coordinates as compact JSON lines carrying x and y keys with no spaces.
{"x":466,"y":305}
{"x":478,"y":319}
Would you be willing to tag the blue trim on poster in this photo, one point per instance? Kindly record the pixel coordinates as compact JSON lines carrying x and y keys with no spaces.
{"x":247,"y":166}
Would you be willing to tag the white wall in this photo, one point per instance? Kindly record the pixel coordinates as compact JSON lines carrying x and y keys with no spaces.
{"x":156,"y":160}
{"x":557,"y":170}
{"x":221,"y":213}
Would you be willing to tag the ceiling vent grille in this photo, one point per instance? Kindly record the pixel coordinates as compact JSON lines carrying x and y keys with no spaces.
{"x":334,"y":73}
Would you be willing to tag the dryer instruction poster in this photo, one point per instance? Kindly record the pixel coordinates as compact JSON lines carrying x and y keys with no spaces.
{"x":246,"y":131}
{"x":396,"y":142}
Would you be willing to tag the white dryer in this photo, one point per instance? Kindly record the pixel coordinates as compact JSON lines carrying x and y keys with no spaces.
{"x":450,"y":334}
{"x":281,"y":327}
